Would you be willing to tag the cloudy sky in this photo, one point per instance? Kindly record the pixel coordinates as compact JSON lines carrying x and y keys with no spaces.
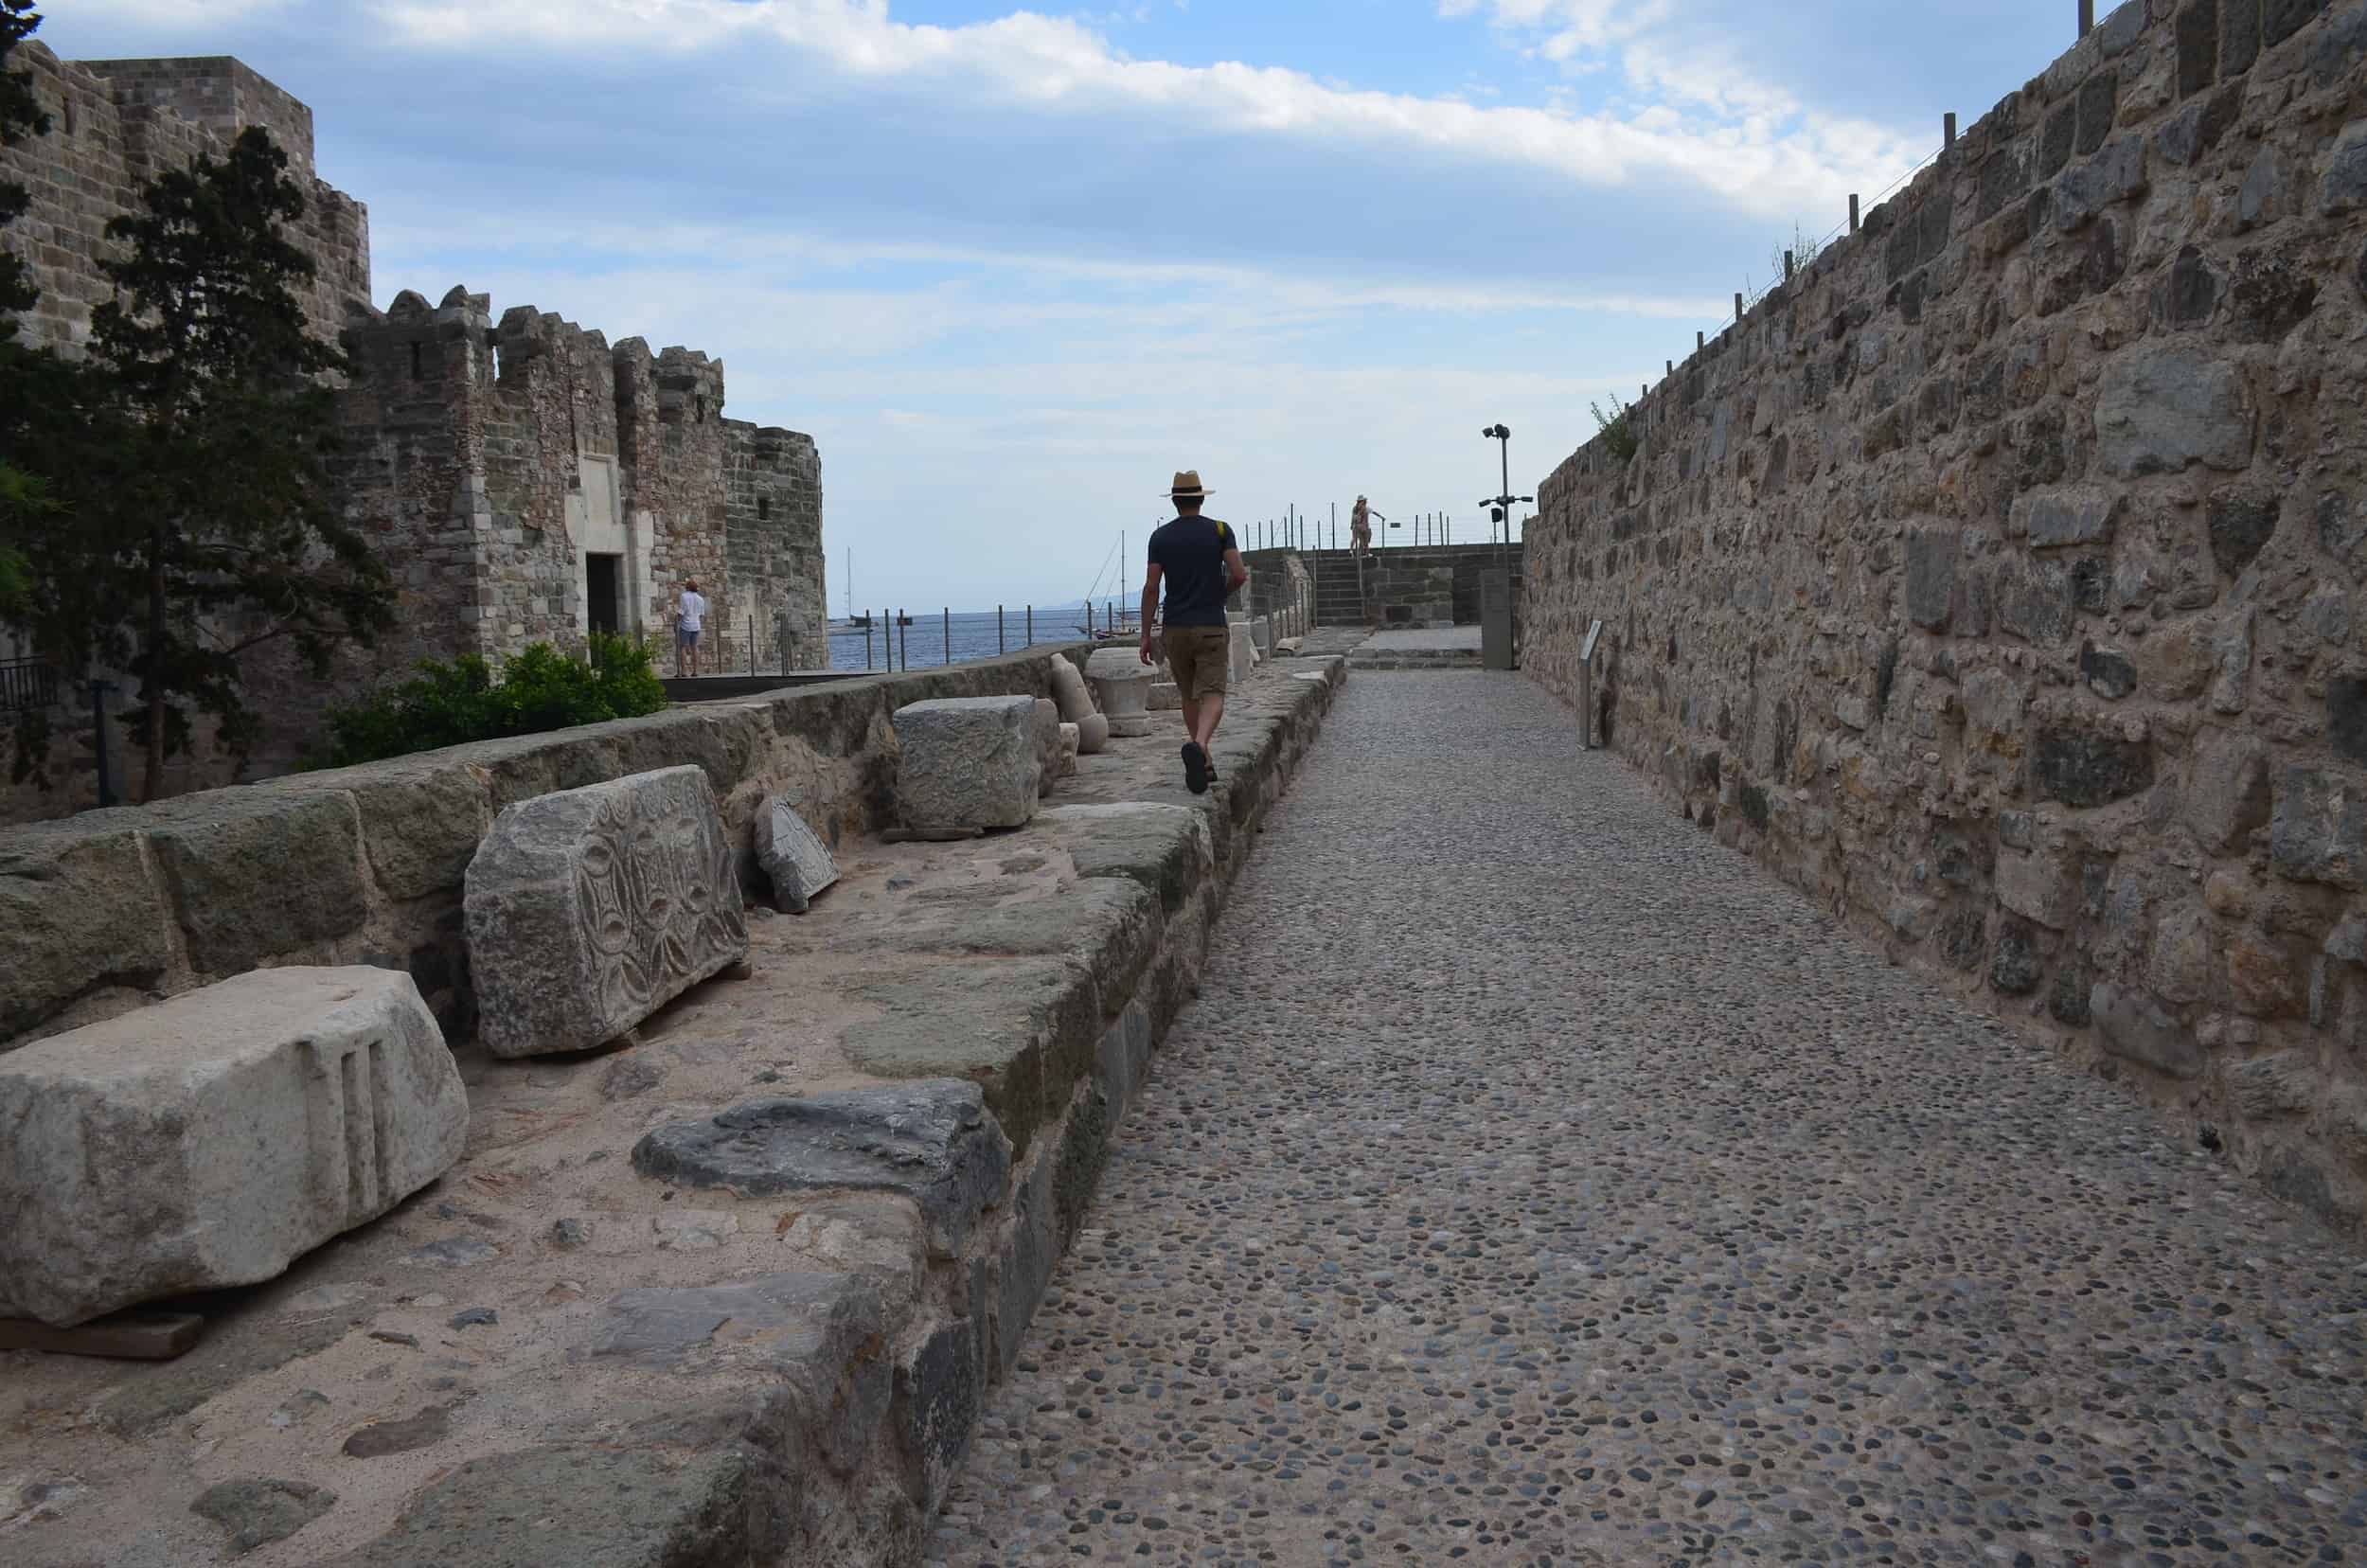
{"x":1011,"y":268}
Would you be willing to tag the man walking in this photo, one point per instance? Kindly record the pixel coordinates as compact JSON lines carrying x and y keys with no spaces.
{"x":687,"y":623}
{"x":1199,"y":561}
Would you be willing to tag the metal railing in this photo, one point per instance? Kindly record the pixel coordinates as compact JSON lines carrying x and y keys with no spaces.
{"x":28,"y":685}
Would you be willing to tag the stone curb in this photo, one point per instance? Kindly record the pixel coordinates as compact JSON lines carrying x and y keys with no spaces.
{"x":838,"y":1448}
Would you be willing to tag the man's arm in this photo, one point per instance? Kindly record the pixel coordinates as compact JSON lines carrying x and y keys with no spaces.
{"x":1150,"y":608}
{"x":1235,"y":573}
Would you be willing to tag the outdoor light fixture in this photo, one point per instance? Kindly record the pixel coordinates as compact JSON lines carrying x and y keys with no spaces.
{"x":1500,"y":506}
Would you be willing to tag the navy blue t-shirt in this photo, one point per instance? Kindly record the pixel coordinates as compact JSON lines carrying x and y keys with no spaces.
{"x":1190,"y":554}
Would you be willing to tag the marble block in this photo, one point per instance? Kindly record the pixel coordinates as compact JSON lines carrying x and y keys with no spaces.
{"x":212,"y":1139}
{"x":587,"y":910}
{"x":966,"y":762}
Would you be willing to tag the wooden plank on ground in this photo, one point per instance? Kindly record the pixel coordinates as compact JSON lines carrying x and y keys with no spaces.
{"x":132,"y":1336}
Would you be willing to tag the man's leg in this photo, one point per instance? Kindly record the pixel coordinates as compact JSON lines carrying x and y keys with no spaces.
{"x":1203,"y":721}
{"x":1191,"y":718}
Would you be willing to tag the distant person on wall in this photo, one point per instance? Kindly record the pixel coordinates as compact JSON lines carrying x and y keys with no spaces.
{"x":1199,"y":561}
{"x":1360,"y":526}
{"x":688,"y":621}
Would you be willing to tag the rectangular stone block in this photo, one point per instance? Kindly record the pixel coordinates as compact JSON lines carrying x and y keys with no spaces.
{"x":589,"y":909}
{"x":966,"y":762}
{"x":77,"y":911}
{"x":2317,"y":827}
{"x":256,"y":874}
{"x":212,"y":1139}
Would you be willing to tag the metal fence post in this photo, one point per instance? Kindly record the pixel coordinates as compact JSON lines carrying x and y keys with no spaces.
{"x":2087,"y":17}
{"x":947,"y":612}
{"x":1000,"y":644}
{"x":1031,"y":626}
{"x":904,"y":637}
{"x":752,"y":647}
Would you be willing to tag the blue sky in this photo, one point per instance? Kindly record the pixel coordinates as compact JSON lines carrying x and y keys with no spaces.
{"x":1011,"y":268}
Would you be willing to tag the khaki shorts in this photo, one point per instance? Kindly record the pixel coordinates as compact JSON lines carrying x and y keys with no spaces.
{"x":1198,"y":658}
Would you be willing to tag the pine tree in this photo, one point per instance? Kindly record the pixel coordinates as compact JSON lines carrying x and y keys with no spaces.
{"x":219,"y":526}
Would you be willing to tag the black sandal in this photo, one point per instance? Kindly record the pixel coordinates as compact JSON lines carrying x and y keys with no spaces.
{"x":1195,"y":767}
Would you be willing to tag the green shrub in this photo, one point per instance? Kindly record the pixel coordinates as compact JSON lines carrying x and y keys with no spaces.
{"x":540,"y":689}
{"x":1618,"y":435}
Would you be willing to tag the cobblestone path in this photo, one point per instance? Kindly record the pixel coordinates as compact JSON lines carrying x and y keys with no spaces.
{"x":1536,"y":1182}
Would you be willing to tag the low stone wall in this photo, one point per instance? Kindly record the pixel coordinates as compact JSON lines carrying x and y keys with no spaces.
{"x":1997,"y":581}
{"x":1412,"y":586}
{"x":109,"y":910}
{"x":647,"y":1370}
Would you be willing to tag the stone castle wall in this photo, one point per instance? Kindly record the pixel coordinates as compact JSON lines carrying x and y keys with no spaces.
{"x":1997,"y":581}
{"x":115,"y":125}
{"x":490,"y":462}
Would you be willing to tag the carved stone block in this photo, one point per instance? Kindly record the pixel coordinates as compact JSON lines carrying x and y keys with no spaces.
{"x":589,"y":909}
{"x":800,"y":864}
{"x":966,"y":762}
{"x":212,"y":1139}
{"x":1121,"y":683}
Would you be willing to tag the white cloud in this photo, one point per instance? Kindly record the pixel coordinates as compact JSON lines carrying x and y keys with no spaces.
{"x":195,"y":16}
{"x":1753,"y":151}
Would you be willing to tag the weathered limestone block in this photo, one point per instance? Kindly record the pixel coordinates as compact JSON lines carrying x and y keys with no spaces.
{"x":2042,"y":887}
{"x":1121,"y":683}
{"x":2227,"y":791}
{"x":589,"y":909}
{"x":966,"y":762}
{"x":1069,"y":690}
{"x":2076,"y":515}
{"x":800,"y":864}
{"x":2317,"y":827}
{"x":1261,"y":632}
{"x":212,"y":1139}
{"x":78,"y":910}
{"x":1093,"y":734}
{"x":932,"y":1141}
{"x":1243,"y":653}
{"x":2135,"y":1028}
{"x":1065,"y":764}
{"x":1166,"y":697}
{"x":2164,"y":407}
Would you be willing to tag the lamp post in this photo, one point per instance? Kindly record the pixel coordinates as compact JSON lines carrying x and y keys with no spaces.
{"x":1500,"y":506}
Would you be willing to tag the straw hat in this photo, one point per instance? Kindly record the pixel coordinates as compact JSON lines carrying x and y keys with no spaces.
{"x":1187,"y":486}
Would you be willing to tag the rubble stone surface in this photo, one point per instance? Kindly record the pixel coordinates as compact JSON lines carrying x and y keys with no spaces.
{"x":1628,"y":1210}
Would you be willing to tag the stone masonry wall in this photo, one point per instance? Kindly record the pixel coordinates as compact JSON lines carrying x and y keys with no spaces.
{"x":1997,"y":580}
{"x":105,"y":911}
{"x":772,"y":535}
{"x":116,"y":124}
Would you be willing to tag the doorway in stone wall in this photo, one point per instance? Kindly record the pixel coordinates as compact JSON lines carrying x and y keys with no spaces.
{"x":604,"y":591}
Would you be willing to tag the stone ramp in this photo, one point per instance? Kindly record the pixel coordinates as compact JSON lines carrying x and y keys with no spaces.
{"x":1535,"y":1181}
{"x":546,"y":1358}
